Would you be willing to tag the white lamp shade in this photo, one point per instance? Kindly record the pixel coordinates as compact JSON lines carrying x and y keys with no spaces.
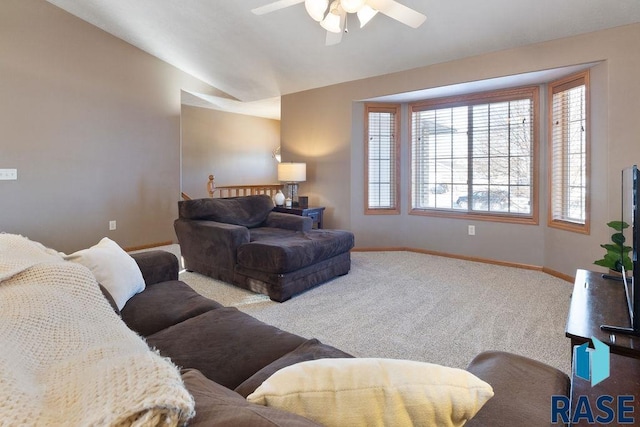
{"x":292,"y":172}
{"x":331,"y":23}
{"x":352,"y":6}
{"x":365,"y":14}
{"x":316,"y":8}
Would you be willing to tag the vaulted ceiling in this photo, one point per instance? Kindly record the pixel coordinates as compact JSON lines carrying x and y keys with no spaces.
{"x":256,"y":59}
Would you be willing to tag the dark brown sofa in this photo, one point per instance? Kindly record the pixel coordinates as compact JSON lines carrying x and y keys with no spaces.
{"x":241,"y":241}
{"x":227,"y":354}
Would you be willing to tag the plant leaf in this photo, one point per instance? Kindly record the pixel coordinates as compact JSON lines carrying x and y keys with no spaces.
{"x":617,"y":253}
{"x":610,"y":261}
{"x":618,"y":239}
{"x":618,"y":225}
{"x":604,"y":263}
{"x":611,"y":247}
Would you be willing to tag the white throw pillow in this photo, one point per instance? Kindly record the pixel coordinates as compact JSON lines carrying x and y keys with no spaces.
{"x":375,"y":392}
{"x":113,"y":268}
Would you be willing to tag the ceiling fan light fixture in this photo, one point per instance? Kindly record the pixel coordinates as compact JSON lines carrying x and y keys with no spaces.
{"x":334,"y":21}
{"x":352,"y":6}
{"x":316,"y":8}
{"x":331,"y":23}
{"x":365,"y":14}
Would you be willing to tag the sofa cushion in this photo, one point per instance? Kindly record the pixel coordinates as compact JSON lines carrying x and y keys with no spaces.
{"x":113,"y":268}
{"x":523,"y":388}
{"x":363,"y":392}
{"x":279,"y":252}
{"x":247,"y":211}
{"x":219,"y":406}
{"x":288,"y":222}
{"x":162,"y":305}
{"x":226,"y":345}
{"x":266,"y":234}
{"x":310,"y":350}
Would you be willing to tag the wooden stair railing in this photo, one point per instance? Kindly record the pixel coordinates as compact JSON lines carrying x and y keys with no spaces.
{"x":241,"y":190}
{"x":247,"y":190}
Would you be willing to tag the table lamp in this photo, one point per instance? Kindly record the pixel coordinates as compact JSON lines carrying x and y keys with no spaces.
{"x":292,"y":174}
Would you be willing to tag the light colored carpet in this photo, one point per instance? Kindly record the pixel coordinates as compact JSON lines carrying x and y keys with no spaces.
{"x":407,"y":305}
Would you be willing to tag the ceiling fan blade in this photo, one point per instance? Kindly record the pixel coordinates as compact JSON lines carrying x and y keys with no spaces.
{"x":335,"y":38}
{"x":399,"y":12}
{"x":277,"y":5}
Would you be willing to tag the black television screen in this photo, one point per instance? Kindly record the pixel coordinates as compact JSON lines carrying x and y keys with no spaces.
{"x":631,"y":271}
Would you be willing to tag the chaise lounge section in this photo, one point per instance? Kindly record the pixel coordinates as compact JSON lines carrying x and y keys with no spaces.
{"x":240,"y":240}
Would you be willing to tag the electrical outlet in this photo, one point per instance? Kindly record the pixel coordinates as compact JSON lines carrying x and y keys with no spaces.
{"x":472,"y":230}
{"x":112,"y":225}
{"x":8,"y":174}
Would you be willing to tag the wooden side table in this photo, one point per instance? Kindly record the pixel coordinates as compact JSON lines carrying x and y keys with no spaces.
{"x":315,"y":213}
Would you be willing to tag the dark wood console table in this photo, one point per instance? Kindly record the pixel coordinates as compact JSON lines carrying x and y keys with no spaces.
{"x":315,"y":213}
{"x":597,"y":301}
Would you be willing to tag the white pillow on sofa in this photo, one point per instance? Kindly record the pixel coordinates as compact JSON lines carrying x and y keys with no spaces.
{"x":375,"y":392}
{"x":113,"y":268}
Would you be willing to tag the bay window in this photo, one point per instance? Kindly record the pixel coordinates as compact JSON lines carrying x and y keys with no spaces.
{"x":475,"y":155}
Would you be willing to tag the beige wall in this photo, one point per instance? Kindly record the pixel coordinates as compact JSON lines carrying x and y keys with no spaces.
{"x":93,"y":126}
{"x":237,"y":149}
{"x":324,"y":128}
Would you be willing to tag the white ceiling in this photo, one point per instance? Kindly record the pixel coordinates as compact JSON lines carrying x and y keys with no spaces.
{"x":258,"y":58}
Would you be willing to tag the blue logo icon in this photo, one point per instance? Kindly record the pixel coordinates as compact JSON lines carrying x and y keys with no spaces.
{"x":592,"y":364}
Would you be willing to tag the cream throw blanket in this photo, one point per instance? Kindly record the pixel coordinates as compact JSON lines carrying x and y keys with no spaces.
{"x":65,"y":356}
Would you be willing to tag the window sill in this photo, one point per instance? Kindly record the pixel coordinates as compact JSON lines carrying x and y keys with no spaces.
{"x":382,"y":211}
{"x":478,"y":216}
{"x":570,"y":226}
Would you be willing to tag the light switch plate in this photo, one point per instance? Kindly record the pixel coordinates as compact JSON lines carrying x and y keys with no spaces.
{"x":8,"y":174}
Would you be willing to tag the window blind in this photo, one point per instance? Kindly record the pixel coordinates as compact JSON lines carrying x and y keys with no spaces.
{"x":568,"y":148}
{"x":382,"y":155}
{"x":474,"y":154}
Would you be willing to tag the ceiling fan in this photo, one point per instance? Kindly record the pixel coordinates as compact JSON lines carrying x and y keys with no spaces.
{"x":333,"y":16}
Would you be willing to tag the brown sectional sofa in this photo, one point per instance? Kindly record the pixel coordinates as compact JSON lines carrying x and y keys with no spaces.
{"x":226,"y":354}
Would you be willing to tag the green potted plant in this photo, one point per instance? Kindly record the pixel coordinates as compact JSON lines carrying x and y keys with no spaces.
{"x":617,"y":254}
